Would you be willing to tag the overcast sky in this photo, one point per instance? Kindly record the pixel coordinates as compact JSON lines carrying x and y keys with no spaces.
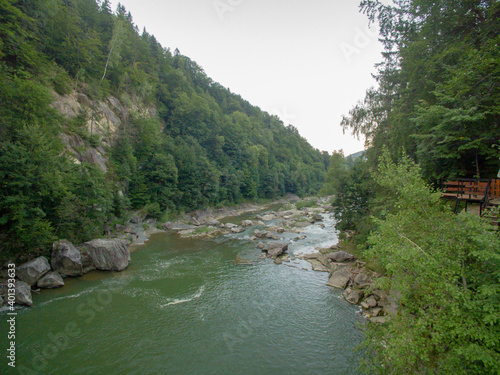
{"x":307,"y":61}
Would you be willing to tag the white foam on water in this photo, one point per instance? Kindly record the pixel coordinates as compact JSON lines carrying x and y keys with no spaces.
{"x":198,"y":294}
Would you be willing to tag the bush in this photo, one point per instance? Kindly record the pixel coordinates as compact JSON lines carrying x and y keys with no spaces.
{"x":446,"y":268}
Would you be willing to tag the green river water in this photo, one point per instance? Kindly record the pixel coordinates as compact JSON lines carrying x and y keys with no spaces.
{"x":192,"y":306}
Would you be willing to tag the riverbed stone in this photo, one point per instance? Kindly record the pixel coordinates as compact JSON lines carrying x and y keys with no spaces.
{"x":268,"y":217}
{"x":50,"y":280}
{"x":237,"y":230}
{"x":246,"y":223}
{"x":274,"y":249}
{"x":361,"y":280}
{"x":30,"y":272}
{"x":318,"y":266}
{"x":341,"y":256}
{"x":23,"y":294}
{"x":340,"y":277}
{"x":260,"y":233}
{"x":109,"y":254}
{"x":371,"y":301}
{"x":354,"y":296}
{"x":66,"y":259}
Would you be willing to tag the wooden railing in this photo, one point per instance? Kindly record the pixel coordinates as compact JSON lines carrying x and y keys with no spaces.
{"x":472,"y":191}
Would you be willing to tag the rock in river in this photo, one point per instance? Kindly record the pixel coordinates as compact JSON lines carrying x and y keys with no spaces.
{"x":340,"y":277}
{"x":33,"y":270}
{"x":341,"y":256}
{"x":66,"y":259}
{"x":23,"y":294}
{"x":50,"y":280}
{"x":274,"y":249}
{"x":109,"y":254}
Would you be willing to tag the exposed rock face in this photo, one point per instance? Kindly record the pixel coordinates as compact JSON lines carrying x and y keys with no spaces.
{"x":109,"y":254}
{"x":341,"y":256}
{"x":340,"y":277}
{"x":33,"y":270}
{"x":50,"y":280}
{"x":23,"y":294}
{"x":66,"y":259}
{"x":274,"y":249}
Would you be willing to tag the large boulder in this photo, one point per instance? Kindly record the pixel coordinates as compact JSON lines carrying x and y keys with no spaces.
{"x":341,"y":256}
{"x":50,"y":281}
{"x":274,"y":249}
{"x":23,"y":294}
{"x":87,"y":263}
{"x":109,"y":254}
{"x":353,"y":295}
{"x":66,"y":259}
{"x":33,"y":270}
{"x":340,"y":277}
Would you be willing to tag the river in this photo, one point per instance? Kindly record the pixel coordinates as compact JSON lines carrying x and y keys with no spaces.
{"x":186,"y":306}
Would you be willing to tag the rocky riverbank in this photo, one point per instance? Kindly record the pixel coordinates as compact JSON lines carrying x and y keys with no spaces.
{"x":106,"y":254}
{"x":274,"y":231}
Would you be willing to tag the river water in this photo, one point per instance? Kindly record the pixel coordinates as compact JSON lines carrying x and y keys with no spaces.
{"x":193,"y":306}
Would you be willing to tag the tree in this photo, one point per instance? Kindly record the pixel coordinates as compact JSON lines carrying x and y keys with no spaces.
{"x":445,"y":267}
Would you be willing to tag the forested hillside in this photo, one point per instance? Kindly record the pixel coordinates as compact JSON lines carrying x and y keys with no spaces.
{"x":182,"y":141}
{"x":435,"y":116}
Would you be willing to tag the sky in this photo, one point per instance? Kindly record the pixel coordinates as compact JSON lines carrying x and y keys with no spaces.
{"x":307,"y":61}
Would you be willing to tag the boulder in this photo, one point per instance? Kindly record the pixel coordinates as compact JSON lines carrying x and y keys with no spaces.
{"x":340,"y":277}
{"x":246,"y":223}
{"x":33,"y":270}
{"x":50,"y":280}
{"x":212,"y":222}
{"x":376,"y":311}
{"x":87,"y":263}
{"x":23,"y":294}
{"x":260,"y":233}
{"x":230,"y":226}
{"x":354,"y":296}
{"x":341,"y":256}
{"x":66,"y":259}
{"x":109,"y":254}
{"x":274,"y":249}
{"x":371,"y":301}
{"x":237,"y":230}
{"x":318,"y":266}
{"x":361,"y":280}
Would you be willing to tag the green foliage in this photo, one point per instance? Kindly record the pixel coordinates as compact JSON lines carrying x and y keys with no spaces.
{"x":189,"y":142}
{"x":305,"y":203}
{"x":446,"y":269}
{"x":353,"y":199}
